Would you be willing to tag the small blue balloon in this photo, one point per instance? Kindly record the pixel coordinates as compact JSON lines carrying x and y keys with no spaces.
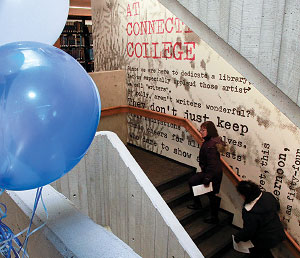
{"x":49,"y":113}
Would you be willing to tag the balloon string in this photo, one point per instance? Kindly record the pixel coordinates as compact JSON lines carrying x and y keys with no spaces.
{"x":46,"y":212}
{"x":37,"y":198}
{"x":7,"y":237}
{"x":5,"y":233}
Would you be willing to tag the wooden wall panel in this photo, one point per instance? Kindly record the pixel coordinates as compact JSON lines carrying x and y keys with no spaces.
{"x":251,"y":26}
{"x":134,"y":202}
{"x":175,"y":250}
{"x":235,"y":24}
{"x":264,"y":32}
{"x":268,"y":49}
{"x":289,"y":60}
{"x":112,"y":189}
{"x":203,"y":9}
{"x":161,"y":237}
{"x":147,"y":228}
{"x":122,"y":185}
{"x":73,"y":179}
{"x":119,"y":195}
{"x":91,"y":169}
{"x":82,"y":189}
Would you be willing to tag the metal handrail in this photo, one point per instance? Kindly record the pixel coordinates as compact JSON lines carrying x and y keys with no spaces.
{"x":234,"y":178}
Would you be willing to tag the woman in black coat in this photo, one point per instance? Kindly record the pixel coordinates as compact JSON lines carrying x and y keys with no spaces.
{"x":261,"y":221}
{"x":211,"y":166}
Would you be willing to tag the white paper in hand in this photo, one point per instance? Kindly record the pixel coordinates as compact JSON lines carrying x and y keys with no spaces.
{"x":242,"y":247}
{"x":201,"y":189}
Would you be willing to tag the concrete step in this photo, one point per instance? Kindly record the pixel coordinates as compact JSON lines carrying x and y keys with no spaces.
{"x":231,"y":253}
{"x":185,"y":215}
{"x":199,"y":230}
{"x":162,"y":172}
{"x":217,"y":244}
{"x":171,"y":179}
{"x":176,"y":195}
{"x":177,"y":179}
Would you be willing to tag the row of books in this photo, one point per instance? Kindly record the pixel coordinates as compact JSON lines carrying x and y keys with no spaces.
{"x":89,"y":28}
{"x":79,"y":54}
{"x":76,"y":27}
{"x":88,"y":66}
{"x":73,"y":26}
{"x":91,"y":54}
{"x":77,"y":40}
{"x":73,"y":40}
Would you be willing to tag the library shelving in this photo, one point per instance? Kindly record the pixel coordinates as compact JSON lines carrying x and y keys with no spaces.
{"x":76,"y":39}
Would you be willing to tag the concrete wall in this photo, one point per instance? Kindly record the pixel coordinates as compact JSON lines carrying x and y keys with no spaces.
{"x":260,"y":39}
{"x":112,"y":88}
{"x":266,"y":33}
{"x":67,"y":233}
{"x":184,"y":69}
{"x":110,"y":187}
{"x":18,"y":218}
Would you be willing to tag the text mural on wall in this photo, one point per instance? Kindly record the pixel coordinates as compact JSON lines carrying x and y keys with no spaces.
{"x":172,"y":71}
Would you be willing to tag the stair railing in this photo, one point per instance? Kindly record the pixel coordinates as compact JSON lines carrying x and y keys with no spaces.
{"x":234,"y":178}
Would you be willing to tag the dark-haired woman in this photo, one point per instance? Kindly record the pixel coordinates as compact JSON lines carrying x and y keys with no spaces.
{"x":261,"y":221}
{"x":211,"y":166}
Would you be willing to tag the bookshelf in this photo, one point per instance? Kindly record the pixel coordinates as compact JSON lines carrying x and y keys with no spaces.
{"x":76,"y":39}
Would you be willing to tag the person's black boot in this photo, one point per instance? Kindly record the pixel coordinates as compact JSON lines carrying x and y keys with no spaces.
{"x":214,"y":209}
{"x":212,"y":220}
{"x":196,"y":205}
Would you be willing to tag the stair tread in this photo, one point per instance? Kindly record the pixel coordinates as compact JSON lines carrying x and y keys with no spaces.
{"x":181,"y":211}
{"x":170,"y":178}
{"x":158,"y":169}
{"x":234,"y":254}
{"x":175,"y":192}
{"x":198,"y":227}
{"x":216,"y":242}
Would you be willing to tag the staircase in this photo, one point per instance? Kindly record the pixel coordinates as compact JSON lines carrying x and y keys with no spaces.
{"x":171,"y":180}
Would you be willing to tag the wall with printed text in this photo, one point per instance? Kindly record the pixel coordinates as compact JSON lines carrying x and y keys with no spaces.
{"x":169,"y":69}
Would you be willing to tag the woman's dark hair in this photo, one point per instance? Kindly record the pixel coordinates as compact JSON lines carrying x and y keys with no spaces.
{"x":211,"y":128}
{"x":248,"y":189}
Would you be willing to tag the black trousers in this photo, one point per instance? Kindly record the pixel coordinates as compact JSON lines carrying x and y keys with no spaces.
{"x":214,"y":200}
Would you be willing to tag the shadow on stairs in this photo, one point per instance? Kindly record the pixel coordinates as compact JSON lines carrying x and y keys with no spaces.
{"x":171,"y":180}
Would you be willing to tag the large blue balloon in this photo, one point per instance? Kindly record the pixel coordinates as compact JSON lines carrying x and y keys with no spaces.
{"x":49,"y":112}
